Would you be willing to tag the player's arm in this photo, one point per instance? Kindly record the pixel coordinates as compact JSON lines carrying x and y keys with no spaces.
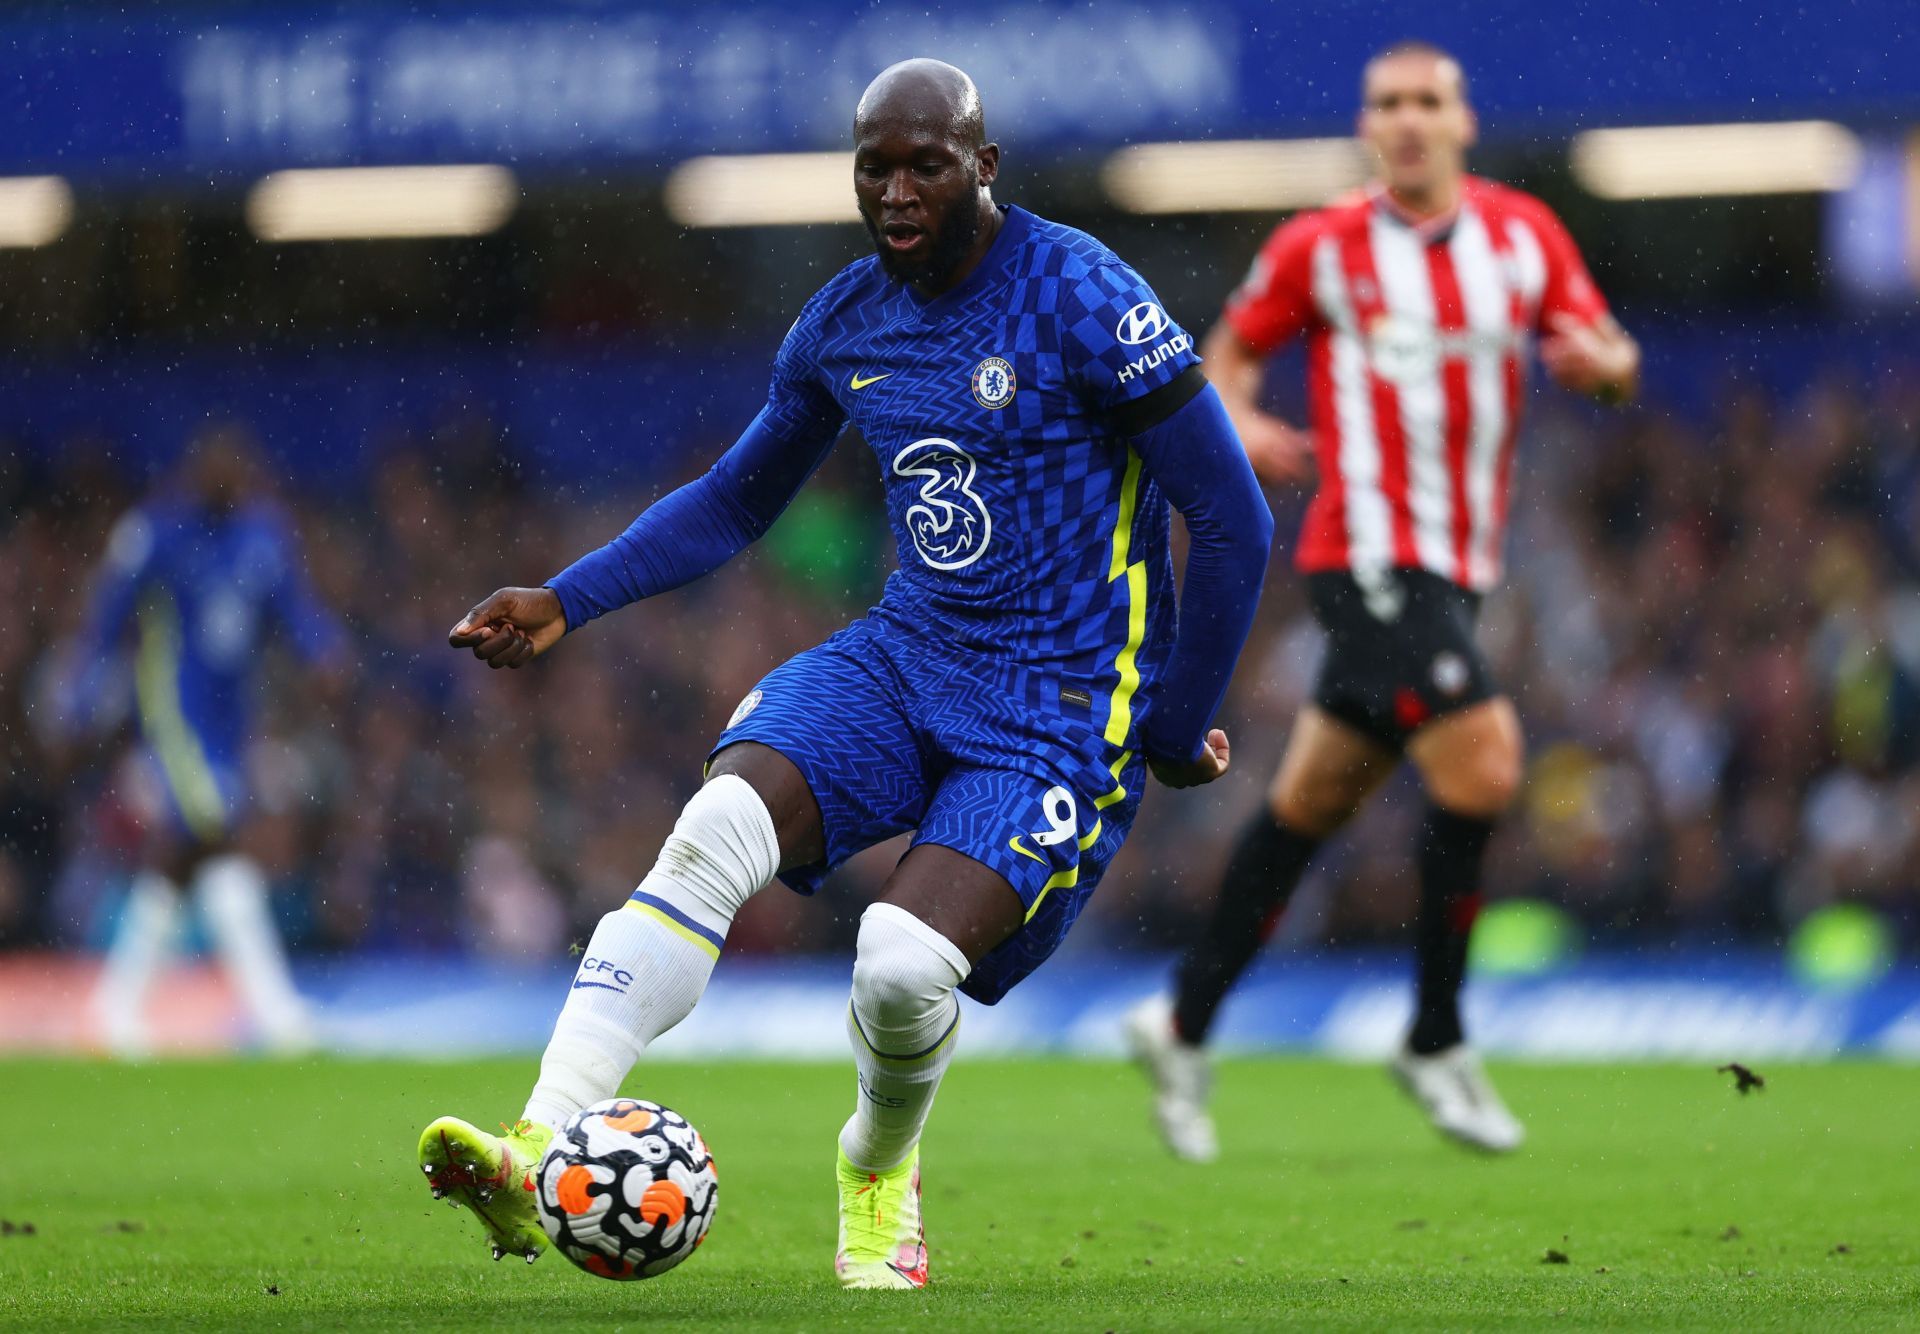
{"x":85,"y":681}
{"x":1191,"y":451}
{"x":1178,"y":426}
{"x":1597,"y":358}
{"x":307,"y":621}
{"x":687,"y":533}
{"x":1278,"y":450}
{"x":1582,"y":346}
{"x":1274,"y":303}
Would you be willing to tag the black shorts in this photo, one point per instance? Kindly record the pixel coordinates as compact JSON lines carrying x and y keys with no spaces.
{"x":1400,"y":651}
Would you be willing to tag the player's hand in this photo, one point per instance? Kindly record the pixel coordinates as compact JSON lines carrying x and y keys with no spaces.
{"x":1597,"y":359}
{"x":1211,"y":764}
{"x":1277,"y":451}
{"x":512,"y":627}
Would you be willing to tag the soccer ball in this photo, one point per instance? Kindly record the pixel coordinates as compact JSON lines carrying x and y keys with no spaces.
{"x":627,"y":1189}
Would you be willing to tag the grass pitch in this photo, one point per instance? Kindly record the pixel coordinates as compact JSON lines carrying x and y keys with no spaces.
{"x":285,"y":1195}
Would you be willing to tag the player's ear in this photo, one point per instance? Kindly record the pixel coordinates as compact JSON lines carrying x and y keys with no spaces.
{"x":1472,"y":135}
{"x":987,"y":158}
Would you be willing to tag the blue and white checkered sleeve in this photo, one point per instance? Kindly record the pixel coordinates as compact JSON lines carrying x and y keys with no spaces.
{"x":1120,"y":343}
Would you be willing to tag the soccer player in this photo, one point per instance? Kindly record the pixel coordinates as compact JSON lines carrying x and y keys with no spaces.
{"x":1033,"y":410}
{"x":1418,"y":298}
{"x":203,"y":572}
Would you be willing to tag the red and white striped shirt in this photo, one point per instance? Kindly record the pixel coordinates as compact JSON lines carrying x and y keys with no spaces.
{"x":1416,"y":337}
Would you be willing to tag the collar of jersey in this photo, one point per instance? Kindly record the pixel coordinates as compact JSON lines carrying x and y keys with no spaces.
{"x":1014,"y":225}
{"x":1429,"y":230}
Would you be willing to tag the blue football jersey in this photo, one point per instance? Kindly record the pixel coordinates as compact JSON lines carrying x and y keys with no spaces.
{"x":203,"y":591}
{"x":1025,"y":527}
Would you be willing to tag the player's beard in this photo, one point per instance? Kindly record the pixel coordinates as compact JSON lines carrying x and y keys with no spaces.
{"x":951,"y":245}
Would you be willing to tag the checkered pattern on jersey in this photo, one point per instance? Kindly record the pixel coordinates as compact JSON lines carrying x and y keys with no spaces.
{"x":1004,"y":506}
{"x":894,"y":731}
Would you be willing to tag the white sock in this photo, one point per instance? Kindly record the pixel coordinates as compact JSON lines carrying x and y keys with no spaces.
{"x":903,"y":1020}
{"x":649,"y":961}
{"x":143,"y":945}
{"x":231,"y":893}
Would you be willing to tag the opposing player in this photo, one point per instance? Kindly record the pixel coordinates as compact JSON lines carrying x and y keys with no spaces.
{"x":1033,"y":410}
{"x":202,"y":572}
{"x":1418,"y":298}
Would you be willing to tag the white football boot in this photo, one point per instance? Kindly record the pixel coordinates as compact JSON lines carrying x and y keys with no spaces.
{"x":1182,"y":1077}
{"x":1454,"y":1092}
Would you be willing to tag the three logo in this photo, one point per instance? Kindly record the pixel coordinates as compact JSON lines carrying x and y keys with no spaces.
{"x":949,"y":522}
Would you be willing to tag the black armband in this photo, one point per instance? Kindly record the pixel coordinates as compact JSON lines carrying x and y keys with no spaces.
{"x":1149,"y":410}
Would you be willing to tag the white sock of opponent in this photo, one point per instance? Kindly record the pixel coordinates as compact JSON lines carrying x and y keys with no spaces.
{"x":231,"y":893}
{"x":143,"y":945}
{"x":903,"y":1020}
{"x":649,"y":960}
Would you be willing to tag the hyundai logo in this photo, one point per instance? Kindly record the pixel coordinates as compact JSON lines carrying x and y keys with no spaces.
{"x":1144,"y":323}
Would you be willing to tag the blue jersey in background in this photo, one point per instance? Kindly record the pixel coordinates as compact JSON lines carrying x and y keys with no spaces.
{"x":201,"y":591}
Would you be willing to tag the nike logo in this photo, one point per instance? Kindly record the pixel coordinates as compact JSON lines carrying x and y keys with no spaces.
{"x":859,"y":383}
{"x":604,"y":986}
{"x":1023,"y":850}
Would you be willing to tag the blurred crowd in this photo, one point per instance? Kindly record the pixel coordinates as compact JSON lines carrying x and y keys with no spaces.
{"x":1712,"y":629}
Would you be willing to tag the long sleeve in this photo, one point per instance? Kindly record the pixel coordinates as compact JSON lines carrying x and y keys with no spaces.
{"x":1139,"y":369}
{"x":308,"y":622}
{"x":701,"y":526}
{"x":1195,"y":457}
{"x":96,"y":653}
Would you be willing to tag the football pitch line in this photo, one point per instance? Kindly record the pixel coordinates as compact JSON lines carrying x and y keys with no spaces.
{"x":270,"y":1194}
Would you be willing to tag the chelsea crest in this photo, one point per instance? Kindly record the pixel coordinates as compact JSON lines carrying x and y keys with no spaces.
{"x":993,"y":383}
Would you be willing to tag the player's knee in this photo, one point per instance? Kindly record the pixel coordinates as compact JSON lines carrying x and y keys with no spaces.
{"x":1485,"y":787}
{"x":1313,"y":809}
{"x":904,"y":972}
{"x":230,"y":884}
{"x":723,"y":849}
{"x":1504,"y":774}
{"x":783,"y":791}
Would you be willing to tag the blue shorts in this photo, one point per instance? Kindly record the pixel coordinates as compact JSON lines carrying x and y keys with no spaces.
{"x":1000,"y":763}
{"x":202,"y":792}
